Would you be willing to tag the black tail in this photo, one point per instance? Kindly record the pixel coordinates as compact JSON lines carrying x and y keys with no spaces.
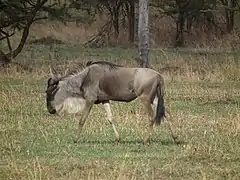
{"x":160,"y":113}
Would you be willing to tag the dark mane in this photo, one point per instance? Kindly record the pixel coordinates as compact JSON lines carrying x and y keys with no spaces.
{"x":104,"y":63}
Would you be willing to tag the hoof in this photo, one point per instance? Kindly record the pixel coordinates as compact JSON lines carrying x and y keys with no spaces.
{"x":146,"y":142}
{"x":176,"y":140}
{"x":117,"y":142}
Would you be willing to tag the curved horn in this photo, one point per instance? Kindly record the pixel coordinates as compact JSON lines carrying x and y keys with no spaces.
{"x":52,"y":72}
{"x":66,"y":71}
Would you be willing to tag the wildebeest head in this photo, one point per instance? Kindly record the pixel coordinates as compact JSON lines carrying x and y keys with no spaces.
{"x":64,"y":93}
{"x":67,"y":93}
{"x":52,"y":89}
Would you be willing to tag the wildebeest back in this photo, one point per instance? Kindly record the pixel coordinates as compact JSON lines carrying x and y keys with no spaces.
{"x":118,"y":85}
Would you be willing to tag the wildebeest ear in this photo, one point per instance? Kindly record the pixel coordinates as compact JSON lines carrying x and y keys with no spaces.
{"x":54,"y":74}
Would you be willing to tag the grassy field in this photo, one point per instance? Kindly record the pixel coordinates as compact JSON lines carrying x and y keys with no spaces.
{"x":204,"y":96}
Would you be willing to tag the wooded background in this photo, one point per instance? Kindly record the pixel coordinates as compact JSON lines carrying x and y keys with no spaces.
{"x":189,"y":21}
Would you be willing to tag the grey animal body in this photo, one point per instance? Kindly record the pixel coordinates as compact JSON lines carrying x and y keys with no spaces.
{"x":102,"y":82}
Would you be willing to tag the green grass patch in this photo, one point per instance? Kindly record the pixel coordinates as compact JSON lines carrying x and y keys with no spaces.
{"x":37,"y":145}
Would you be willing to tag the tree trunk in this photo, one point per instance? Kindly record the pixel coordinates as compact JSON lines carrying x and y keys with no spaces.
{"x":180,"y":27}
{"x":227,"y":19}
{"x":136,"y":20}
{"x":143,"y":33}
{"x":131,"y":21}
{"x":116,"y":20}
{"x":230,"y":15}
{"x":114,"y":10}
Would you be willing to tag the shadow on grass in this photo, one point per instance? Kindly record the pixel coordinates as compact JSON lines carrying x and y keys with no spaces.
{"x":208,"y":101}
{"x":166,"y":142}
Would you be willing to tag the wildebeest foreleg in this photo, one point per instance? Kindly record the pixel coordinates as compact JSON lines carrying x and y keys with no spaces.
{"x":110,"y":119}
{"x":82,"y":120}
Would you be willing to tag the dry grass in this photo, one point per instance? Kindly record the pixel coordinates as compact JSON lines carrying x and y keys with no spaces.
{"x":202,"y":91}
{"x":203,"y":94}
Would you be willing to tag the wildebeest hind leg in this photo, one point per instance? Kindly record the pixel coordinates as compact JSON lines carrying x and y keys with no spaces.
{"x":171,"y":127}
{"x":111,"y":121}
{"x":82,"y":120}
{"x":147,"y":103}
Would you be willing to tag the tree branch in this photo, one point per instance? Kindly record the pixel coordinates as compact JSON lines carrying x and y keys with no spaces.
{"x":40,"y":18}
{"x":9,"y":45}
{"x":6,"y":34}
{"x":30,"y":20}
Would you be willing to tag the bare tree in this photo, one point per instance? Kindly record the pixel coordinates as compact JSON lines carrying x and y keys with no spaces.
{"x":143,"y":33}
{"x":18,"y":15}
{"x":230,"y":8}
{"x":130,"y":8}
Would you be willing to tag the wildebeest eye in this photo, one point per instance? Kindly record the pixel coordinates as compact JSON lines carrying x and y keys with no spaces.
{"x":52,"y":86}
{"x":52,"y":82}
{"x":55,"y":84}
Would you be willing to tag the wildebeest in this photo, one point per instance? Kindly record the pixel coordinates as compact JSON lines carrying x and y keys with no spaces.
{"x":102,"y":82}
